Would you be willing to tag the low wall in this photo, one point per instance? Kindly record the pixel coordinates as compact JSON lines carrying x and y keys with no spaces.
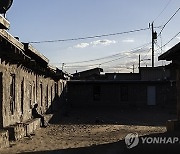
{"x":21,"y":130}
{"x":4,"y":138}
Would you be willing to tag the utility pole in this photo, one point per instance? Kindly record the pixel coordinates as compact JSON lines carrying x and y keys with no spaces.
{"x":152,"y":26}
{"x":133,"y":68}
{"x":154,"y":37}
{"x":63,"y":66}
{"x":139,"y":62}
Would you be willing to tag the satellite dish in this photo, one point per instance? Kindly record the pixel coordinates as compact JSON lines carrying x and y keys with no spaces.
{"x":5,"y":5}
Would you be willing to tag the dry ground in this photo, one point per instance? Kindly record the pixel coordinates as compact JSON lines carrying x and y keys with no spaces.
{"x":96,"y":131}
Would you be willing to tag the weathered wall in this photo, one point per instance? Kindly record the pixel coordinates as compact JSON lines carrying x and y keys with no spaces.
{"x":119,"y":94}
{"x":149,"y":74}
{"x":29,"y":88}
{"x":123,"y":76}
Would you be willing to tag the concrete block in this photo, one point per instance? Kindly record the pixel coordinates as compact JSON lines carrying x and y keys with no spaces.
{"x":4,"y":138}
{"x":36,"y":123}
{"x":29,"y":128}
{"x":48,"y":117}
{"x":32,"y":125}
{"x":16,"y":131}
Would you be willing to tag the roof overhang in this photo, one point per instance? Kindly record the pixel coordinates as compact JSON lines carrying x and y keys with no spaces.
{"x":8,"y":37}
{"x":171,"y":54}
{"x":4,"y":23}
{"x":32,"y":52}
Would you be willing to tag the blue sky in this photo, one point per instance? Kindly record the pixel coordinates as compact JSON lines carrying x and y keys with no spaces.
{"x":43,"y":20}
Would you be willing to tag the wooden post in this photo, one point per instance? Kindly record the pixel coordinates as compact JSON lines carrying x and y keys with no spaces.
{"x":178,"y":92}
{"x":139,"y":63}
{"x":152,"y":44}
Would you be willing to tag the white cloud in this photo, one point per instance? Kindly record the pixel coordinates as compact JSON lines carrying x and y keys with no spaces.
{"x":178,"y":38}
{"x":82,"y":45}
{"x":166,"y":48}
{"x":95,"y":43}
{"x":128,"y":41}
{"x":103,"y":42}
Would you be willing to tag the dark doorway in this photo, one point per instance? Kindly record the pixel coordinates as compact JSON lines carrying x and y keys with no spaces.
{"x":1,"y":101}
{"x":41,"y":94}
{"x":22,"y":96}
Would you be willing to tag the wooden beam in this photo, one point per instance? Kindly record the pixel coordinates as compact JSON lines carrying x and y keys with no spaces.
{"x":178,"y":92}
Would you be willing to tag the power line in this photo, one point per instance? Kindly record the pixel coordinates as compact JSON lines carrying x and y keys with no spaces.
{"x":107,"y":57}
{"x":121,"y":57}
{"x":115,"y":66}
{"x":168,"y":21}
{"x":111,"y":56}
{"x":106,"y":62}
{"x":171,"y":39}
{"x":89,"y":37}
{"x":163,"y":10}
{"x":168,"y":41}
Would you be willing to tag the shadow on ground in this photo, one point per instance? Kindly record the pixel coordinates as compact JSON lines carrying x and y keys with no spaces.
{"x":120,"y":147}
{"x":149,"y":116}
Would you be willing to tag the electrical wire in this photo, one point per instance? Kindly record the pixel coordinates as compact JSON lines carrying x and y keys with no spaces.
{"x":121,"y":57}
{"x":106,"y":62}
{"x":168,"y":41}
{"x":163,"y":10}
{"x":168,"y":21}
{"x":111,"y":56}
{"x":171,"y":39}
{"x":89,"y":37}
{"x":98,"y":64}
{"x":146,"y":54}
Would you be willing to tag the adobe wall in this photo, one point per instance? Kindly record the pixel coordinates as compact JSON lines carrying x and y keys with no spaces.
{"x":30,"y":87}
{"x":119,"y":94}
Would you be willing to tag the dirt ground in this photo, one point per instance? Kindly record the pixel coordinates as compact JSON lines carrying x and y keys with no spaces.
{"x":97,"y":131}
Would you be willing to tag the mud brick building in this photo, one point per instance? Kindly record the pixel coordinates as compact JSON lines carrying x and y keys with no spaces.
{"x":90,"y":74}
{"x":25,"y":78}
{"x":150,"y":87}
{"x":173,"y":55}
{"x":108,"y":93}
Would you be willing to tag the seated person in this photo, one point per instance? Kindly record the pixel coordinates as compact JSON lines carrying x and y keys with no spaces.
{"x":35,"y":114}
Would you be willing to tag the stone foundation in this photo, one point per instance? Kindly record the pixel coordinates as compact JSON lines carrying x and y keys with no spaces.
{"x":21,"y":130}
{"x":16,"y":132}
{"x":32,"y":125}
{"x":4,"y":139}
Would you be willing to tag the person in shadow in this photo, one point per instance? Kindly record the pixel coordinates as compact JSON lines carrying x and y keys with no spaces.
{"x":35,"y":114}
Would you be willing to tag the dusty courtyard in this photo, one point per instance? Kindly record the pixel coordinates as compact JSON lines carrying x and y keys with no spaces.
{"x":95,"y":131}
